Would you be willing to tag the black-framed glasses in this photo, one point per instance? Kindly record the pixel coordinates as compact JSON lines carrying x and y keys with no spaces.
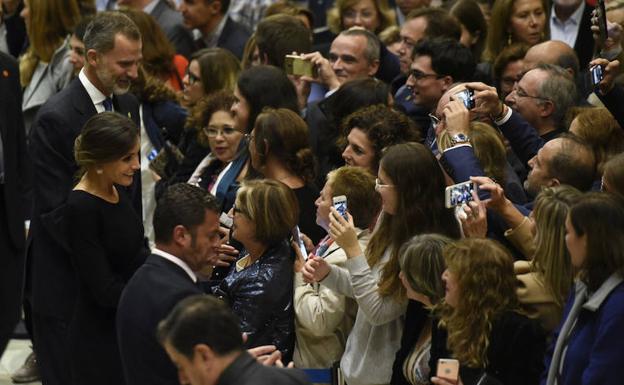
{"x":192,"y":78}
{"x":418,"y":74}
{"x":214,"y":131}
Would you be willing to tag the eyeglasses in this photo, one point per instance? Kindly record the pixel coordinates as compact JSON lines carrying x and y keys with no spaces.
{"x":434,"y":121}
{"x":236,"y":210}
{"x":418,"y":74}
{"x":192,"y":78}
{"x":381,"y":185}
{"x":522,"y":94}
{"x":214,"y":131}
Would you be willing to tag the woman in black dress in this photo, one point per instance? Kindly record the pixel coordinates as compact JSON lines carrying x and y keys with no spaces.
{"x":105,"y":235}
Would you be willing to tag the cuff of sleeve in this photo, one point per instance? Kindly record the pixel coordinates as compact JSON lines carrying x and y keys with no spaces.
{"x":505,"y":118}
{"x":299,"y":280}
{"x":331,"y":280}
{"x":357,"y":264}
{"x":467,"y":144}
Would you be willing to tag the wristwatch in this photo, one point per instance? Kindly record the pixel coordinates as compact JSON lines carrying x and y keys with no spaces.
{"x":459,"y":139}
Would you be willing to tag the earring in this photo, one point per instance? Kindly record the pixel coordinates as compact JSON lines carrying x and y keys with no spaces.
{"x":99,"y":171}
{"x":509,"y":39}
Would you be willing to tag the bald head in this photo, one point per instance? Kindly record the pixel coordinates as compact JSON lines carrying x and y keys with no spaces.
{"x":552,"y":52}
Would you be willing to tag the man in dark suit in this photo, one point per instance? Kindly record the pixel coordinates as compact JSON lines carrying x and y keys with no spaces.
{"x":202,"y":337}
{"x":113,"y":52}
{"x":570,"y":22}
{"x":186,"y":226}
{"x":213,"y":27}
{"x":14,"y":179}
{"x":169,"y":19}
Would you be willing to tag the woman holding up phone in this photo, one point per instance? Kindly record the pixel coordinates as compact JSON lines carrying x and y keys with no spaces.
{"x":479,"y":323}
{"x":411,"y":186}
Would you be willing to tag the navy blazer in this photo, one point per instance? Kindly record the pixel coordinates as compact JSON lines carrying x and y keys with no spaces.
{"x":233,"y":37}
{"x":156,"y":287}
{"x":56,"y":126}
{"x":584,"y":44}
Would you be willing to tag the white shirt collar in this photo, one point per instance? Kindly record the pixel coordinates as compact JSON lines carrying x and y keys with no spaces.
{"x":149,"y":8}
{"x":574,"y":18}
{"x":97,"y":97}
{"x":177,"y":261}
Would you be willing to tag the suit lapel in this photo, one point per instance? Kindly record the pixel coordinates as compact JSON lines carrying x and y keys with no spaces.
{"x":81,"y":100}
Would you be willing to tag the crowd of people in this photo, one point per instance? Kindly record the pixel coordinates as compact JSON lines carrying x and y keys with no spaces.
{"x":173,"y":178}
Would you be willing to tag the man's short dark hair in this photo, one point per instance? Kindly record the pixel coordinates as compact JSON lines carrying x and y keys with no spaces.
{"x":448,"y":58}
{"x":225,"y":5}
{"x":440,"y":23}
{"x":281,"y":35}
{"x":81,"y":27}
{"x":103,"y":29}
{"x":201,"y":319}
{"x":181,"y":204}
{"x":574,"y":164}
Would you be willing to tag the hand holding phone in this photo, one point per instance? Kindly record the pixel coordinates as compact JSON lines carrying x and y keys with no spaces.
{"x":296,"y":65}
{"x":448,"y":369}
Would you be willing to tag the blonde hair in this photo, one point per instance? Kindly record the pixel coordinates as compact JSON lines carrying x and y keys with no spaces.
{"x":487,"y":286}
{"x":422,"y":264}
{"x":552,"y":260}
{"x":271,"y":205}
{"x":386,"y":15}
{"x":48,"y":25}
{"x":488,"y":147}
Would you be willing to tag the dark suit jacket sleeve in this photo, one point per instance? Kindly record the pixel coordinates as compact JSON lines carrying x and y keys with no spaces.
{"x":89,"y":256}
{"x":53,"y":159}
{"x":613,"y":102}
{"x":16,"y":166}
{"x":523,"y":138}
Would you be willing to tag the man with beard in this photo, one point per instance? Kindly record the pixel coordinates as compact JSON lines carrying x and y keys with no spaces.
{"x":113,"y":52}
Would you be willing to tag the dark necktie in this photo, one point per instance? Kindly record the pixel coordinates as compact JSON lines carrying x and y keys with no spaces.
{"x":108,"y":104}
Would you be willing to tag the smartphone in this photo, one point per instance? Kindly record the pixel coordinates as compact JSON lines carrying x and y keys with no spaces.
{"x":601,"y":14}
{"x":295,"y":65}
{"x":340,"y":204}
{"x":225,"y":220}
{"x":597,"y":73}
{"x":448,"y":369}
{"x":458,"y":194}
{"x":467,"y":96}
{"x":297,"y":238}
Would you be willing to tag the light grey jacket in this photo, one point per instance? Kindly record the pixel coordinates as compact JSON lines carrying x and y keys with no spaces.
{"x":47,"y":80}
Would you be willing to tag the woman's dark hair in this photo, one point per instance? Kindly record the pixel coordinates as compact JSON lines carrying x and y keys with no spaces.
{"x":283,"y":134}
{"x":470,"y":16}
{"x":106,"y":137}
{"x":600,"y":217}
{"x":419,"y":184}
{"x":383,"y":128}
{"x":266,"y":86}
{"x":356,"y":94}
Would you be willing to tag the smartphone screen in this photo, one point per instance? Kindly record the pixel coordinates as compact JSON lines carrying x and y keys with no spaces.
{"x":459,"y":194}
{"x":297,"y":238}
{"x":340,"y":204}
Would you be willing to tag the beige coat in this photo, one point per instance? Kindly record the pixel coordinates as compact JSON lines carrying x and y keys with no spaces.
{"x":534,"y":299}
{"x":323,"y":318}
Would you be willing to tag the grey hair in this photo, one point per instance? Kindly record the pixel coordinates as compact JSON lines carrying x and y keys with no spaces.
{"x":373,"y":46}
{"x":102,"y":30}
{"x":560,"y":89}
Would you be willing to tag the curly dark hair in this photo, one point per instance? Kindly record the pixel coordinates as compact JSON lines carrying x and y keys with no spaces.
{"x":202,"y":112}
{"x":383,"y":127}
